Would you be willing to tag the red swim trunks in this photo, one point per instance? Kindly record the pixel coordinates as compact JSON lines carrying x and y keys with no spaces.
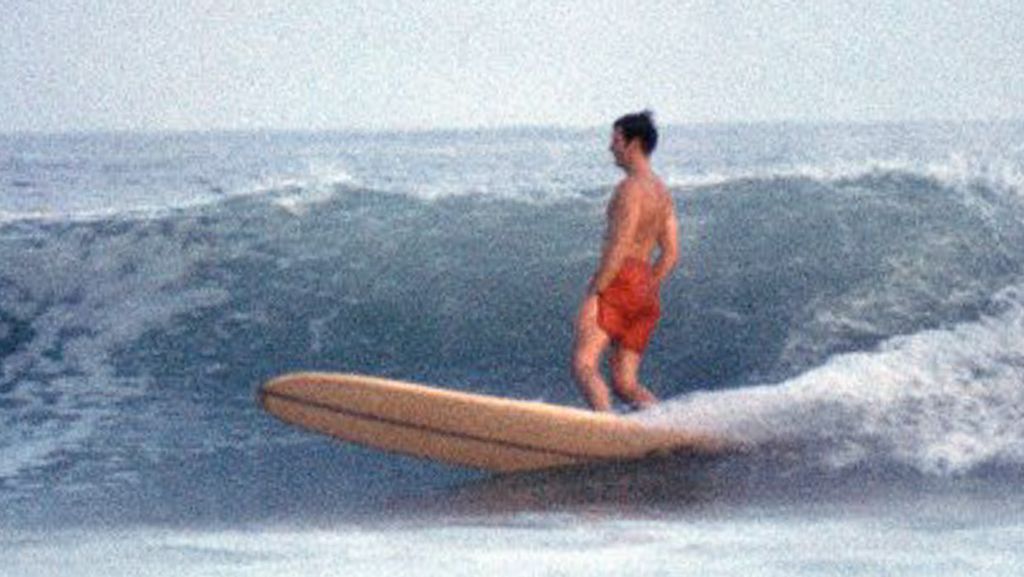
{"x":628,"y":309}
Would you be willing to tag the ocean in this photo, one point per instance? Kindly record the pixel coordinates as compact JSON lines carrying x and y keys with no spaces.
{"x":848,"y":314}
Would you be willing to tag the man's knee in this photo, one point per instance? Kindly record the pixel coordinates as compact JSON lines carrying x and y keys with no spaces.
{"x":624,"y":378}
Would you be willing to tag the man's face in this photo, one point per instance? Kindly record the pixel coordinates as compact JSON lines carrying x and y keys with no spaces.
{"x":617,"y":146}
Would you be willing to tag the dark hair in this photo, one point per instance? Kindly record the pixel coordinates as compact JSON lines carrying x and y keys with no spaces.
{"x":639,"y":125}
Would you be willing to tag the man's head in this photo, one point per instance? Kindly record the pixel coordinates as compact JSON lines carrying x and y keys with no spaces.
{"x":639,"y":126}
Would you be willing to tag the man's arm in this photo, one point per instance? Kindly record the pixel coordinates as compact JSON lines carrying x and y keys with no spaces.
{"x":623,"y":220}
{"x":668,"y":242}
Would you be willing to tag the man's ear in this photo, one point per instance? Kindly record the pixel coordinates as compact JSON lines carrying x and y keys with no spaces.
{"x":634,"y":145}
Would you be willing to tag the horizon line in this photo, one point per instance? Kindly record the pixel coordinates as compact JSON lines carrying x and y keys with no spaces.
{"x":496,"y":128}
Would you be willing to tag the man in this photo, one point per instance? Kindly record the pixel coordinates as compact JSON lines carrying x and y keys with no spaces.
{"x":622,"y":304}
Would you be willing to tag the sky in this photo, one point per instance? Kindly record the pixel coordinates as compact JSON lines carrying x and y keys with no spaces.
{"x":407,"y":64}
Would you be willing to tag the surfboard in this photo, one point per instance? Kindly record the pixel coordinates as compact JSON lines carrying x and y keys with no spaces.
{"x":465,"y":429}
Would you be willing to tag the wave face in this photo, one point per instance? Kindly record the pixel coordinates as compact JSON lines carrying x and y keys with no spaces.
{"x":852,"y":293}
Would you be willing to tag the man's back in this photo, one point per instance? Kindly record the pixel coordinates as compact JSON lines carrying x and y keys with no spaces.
{"x":652,"y":205}
{"x":642,"y":217}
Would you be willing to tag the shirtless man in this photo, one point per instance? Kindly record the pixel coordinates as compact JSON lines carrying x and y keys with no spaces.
{"x":622,"y":304}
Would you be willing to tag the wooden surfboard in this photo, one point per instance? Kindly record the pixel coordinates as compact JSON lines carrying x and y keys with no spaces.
{"x":472,"y":430}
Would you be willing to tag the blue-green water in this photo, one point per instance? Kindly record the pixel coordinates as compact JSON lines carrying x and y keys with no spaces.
{"x":848,"y":309}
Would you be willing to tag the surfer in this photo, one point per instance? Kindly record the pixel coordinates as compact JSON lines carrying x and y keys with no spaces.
{"x":622,"y":304}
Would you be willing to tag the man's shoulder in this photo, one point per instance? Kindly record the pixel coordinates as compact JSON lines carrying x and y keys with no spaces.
{"x":636,"y":185}
{"x":629,"y":186}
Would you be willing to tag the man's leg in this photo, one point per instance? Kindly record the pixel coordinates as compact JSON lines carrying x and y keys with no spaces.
{"x":591,"y":342}
{"x":625,"y":370}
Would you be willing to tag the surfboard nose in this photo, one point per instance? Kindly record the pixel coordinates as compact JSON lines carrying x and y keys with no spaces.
{"x":290,"y":383}
{"x":281,"y":386}
{"x":261,"y":394}
{"x":266,"y":389}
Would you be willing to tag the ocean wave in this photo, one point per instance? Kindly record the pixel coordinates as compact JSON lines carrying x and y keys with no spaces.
{"x":860,"y":311}
{"x":782,"y":276}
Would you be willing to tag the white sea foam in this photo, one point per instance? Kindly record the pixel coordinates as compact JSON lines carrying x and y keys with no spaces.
{"x":957,"y":170}
{"x":78,"y":316}
{"x":298,"y":192}
{"x":943,"y":400}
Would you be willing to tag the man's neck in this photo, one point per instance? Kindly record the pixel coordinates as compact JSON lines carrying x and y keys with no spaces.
{"x":638,"y":166}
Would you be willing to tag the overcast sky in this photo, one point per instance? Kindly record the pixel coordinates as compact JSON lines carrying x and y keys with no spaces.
{"x":398,"y":64}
